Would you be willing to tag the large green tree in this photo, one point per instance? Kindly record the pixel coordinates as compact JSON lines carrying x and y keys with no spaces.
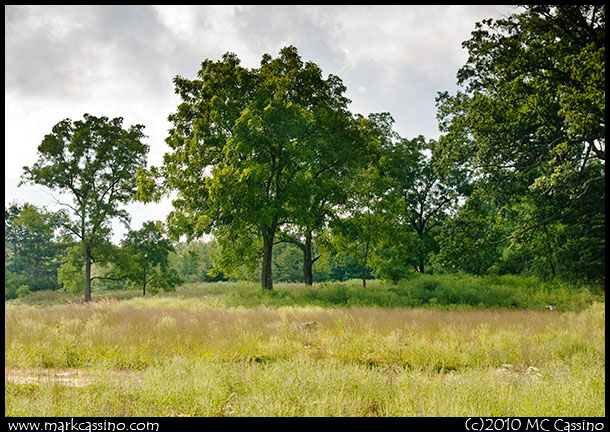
{"x":245,"y":144}
{"x":322,"y":185}
{"x":365,"y":219}
{"x":529,"y":124}
{"x":93,"y":162}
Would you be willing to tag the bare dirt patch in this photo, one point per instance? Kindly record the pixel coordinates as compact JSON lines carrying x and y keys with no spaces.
{"x":68,"y":377}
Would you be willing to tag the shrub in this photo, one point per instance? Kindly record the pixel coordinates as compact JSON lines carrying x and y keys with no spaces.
{"x":23,"y":290}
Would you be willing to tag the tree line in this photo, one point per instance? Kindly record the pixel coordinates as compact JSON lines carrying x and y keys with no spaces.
{"x":270,"y":157}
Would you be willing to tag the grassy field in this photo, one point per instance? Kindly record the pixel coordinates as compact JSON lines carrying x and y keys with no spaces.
{"x":421,"y":348}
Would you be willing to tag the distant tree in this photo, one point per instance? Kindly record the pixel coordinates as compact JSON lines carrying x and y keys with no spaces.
{"x":189,"y":263}
{"x":194,"y":261}
{"x":422,"y":198}
{"x":363,"y":221}
{"x":357,"y":234}
{"x":287,"y":263}
{"x":144,"y":259}
{"x":33,"y":246}
{"x":94,"y":161}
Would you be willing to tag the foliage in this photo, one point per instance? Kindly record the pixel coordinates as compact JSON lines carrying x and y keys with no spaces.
{"x":422,"y":201}
{"x":12,"y":283}
{"x":33,"y":247}
{"x":193,"y":261}
{"x":70,"y":274}
{"x":143,"y":259}
{"x":93,"y":161}
{"x":357,"y":235}
{"x":529,"y":125}
{"x":363,"y":220}
{"x":470,"y":241}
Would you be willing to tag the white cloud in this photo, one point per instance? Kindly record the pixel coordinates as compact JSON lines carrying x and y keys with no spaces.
{"x":424,"y":38}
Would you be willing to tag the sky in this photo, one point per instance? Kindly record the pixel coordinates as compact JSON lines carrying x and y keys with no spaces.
{"x":119,"y":61}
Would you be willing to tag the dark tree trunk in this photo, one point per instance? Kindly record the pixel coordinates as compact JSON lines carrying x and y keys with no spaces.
{"x":308,"y":261}
{"x":88,"y":261}
{"x":266,"y":276}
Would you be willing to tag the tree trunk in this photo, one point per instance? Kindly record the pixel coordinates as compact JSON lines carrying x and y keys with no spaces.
{"x":365,"y":260}
{"x":308,"y":261}
{"x":421,"y":265}
{"x":266,"y":277}
{"x":88,"y":273}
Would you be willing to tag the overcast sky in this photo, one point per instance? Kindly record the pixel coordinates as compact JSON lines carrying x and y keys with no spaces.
{"x":119,"y":61}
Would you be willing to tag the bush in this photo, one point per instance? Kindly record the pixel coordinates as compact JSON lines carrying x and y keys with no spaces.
{"x":23,"y":290}
{"x":12,"y":282}
{"x":493,"y":292}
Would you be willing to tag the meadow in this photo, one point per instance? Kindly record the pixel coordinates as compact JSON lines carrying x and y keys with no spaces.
{"x":429,"y":346}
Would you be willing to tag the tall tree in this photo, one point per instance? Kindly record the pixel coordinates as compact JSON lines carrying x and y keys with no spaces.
{"x":94,"y":162}
{"x":356,"y":234}
{"x":365,"y":218}
{"x":322,"y":187}
{"x":423,"y":199}
{"x":529,"y":120}
{"x":242,"y":142}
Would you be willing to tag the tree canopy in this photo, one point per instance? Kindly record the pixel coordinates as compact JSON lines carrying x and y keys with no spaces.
{"x":94,"y":162}
{"x":272,"y":156}
{"x":246,"y":144}
{"x":529,"y":124}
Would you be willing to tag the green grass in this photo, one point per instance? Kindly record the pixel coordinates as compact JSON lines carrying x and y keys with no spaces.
{"x":427,"y":291}
{"x":228,"y":349}
{"x":183,"y":387}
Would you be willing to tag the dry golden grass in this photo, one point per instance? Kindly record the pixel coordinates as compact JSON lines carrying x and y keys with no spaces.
{"x":171,"y":356}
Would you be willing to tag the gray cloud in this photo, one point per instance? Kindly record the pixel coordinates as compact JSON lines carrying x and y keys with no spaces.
{"x":63,"y":61}
{"x":266,"y":29}
{"x":58,"y":51}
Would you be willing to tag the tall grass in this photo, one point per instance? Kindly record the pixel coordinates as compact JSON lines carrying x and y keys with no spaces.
{"x":120,"y":336}
{"x":183,"y":387}
{"x":229,"y":349}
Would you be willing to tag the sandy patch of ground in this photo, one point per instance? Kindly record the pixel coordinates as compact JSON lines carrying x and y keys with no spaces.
{"x":69,"y":377}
